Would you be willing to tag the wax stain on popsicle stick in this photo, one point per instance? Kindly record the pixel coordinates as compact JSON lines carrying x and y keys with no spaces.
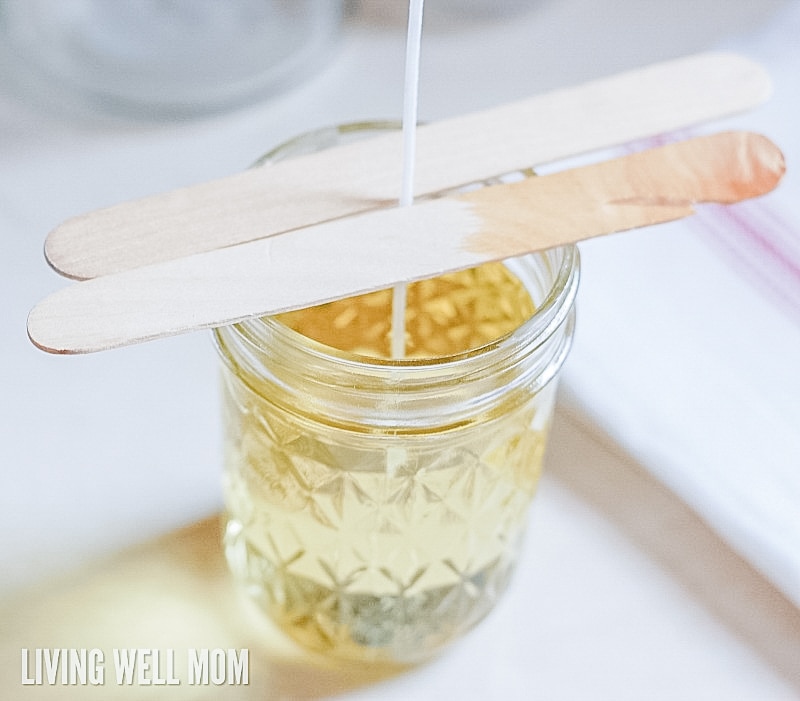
{"x":625,"y":193}
{"x":375,"y":250}
{"x":361,"y":176}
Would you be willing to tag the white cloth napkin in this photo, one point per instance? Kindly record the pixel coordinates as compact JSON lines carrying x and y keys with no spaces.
{"x":688,"y":343}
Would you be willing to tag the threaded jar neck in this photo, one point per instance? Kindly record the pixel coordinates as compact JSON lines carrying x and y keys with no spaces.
{"x":365,"y":394}
{"x":408,"y":396}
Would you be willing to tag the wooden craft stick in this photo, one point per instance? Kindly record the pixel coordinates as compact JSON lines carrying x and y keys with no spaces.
{"x":374,"y":250}
{"x":366,"y":175}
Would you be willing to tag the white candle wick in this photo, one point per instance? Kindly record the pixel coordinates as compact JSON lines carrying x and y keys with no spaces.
{"x":410,"y":100}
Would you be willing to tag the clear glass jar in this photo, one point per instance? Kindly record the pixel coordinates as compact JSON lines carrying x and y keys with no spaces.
{"x":375,"y":508}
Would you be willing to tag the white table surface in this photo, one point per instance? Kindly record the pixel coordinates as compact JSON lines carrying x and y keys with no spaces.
{"x":623,"y":592}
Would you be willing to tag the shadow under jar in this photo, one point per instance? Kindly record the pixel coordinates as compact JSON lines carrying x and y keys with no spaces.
{"x":376,"y":507}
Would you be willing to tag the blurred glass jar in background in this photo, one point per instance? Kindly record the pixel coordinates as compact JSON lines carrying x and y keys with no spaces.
{"x":167,"y":58}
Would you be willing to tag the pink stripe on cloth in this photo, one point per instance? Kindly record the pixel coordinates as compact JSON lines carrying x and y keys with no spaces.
{"x":757,"y":242}
{"x":761,"y":245}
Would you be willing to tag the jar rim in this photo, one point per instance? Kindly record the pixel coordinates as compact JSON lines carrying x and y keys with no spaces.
{"x":560,"y":294}
{"x":548,"y":315}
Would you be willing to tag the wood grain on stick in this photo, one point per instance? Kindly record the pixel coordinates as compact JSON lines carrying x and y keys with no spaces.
{"x":376,"y":249}
{"x":366,"y":175}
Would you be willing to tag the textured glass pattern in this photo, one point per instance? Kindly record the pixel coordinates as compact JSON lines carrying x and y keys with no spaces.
{"x":376,"y":547}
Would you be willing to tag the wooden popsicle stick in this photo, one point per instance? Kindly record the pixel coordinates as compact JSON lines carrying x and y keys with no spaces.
{"x":366,"y":175}
{"x":373,"y":250}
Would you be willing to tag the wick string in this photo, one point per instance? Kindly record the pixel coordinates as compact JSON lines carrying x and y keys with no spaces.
{"x":410,"y":100}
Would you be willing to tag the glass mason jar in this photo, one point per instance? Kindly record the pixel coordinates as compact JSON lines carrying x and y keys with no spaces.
{"x":375,"y":507}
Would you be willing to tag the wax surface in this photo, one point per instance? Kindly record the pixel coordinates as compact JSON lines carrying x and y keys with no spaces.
{"x":444,"y":315}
